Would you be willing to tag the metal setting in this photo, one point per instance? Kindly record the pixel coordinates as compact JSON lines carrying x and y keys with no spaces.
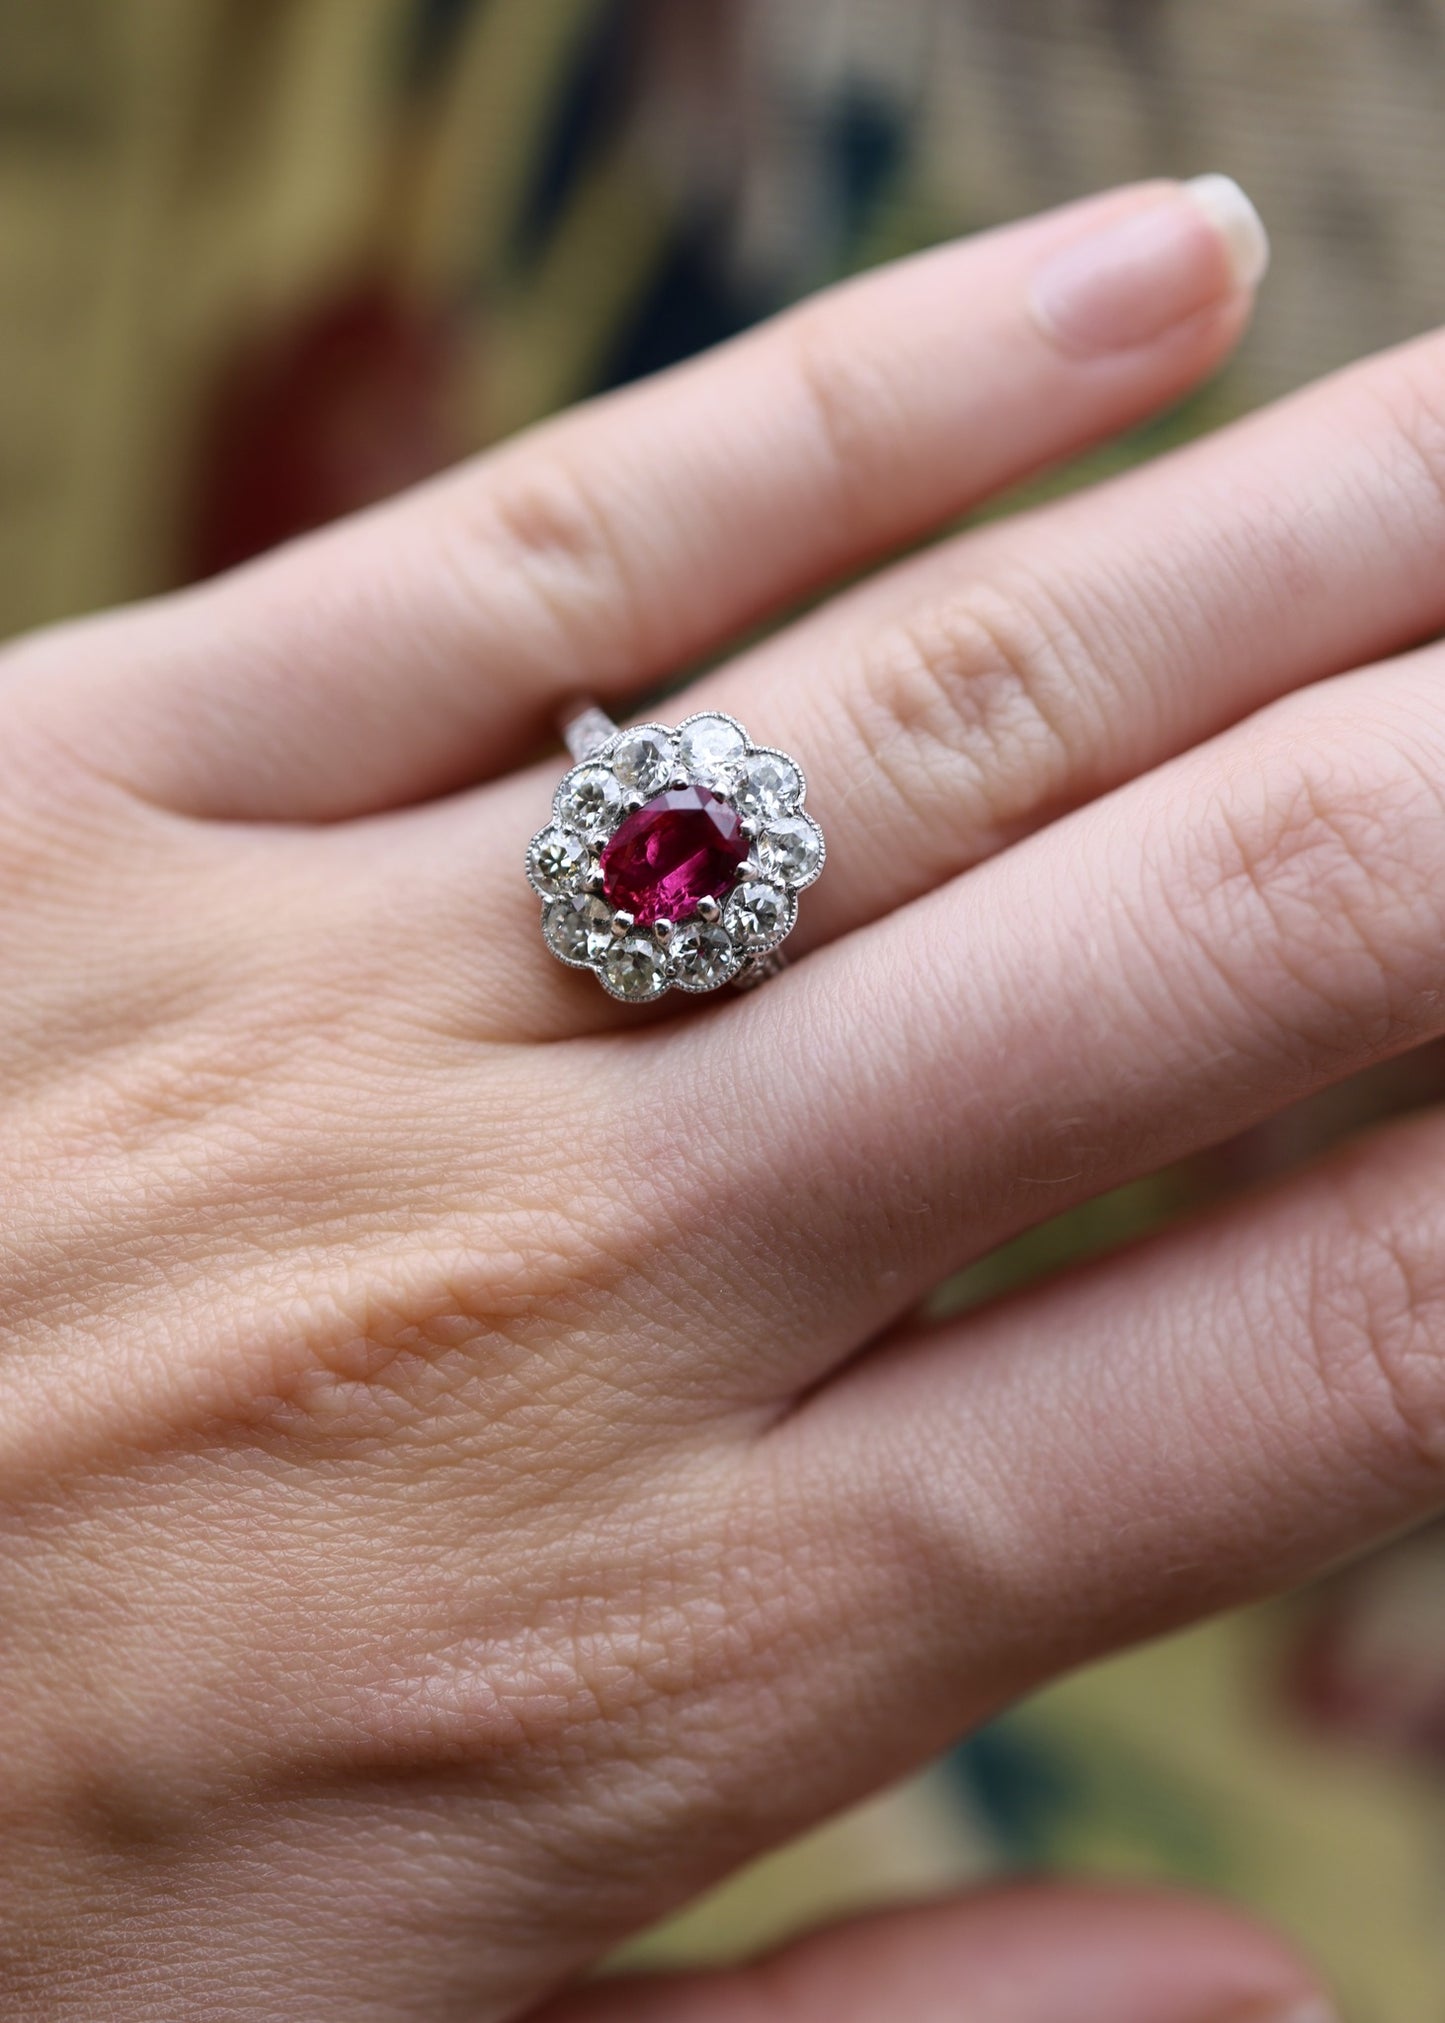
{"x":730,"y":935}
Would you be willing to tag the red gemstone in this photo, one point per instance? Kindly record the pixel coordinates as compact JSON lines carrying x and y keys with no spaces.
{"x":683,"y":846}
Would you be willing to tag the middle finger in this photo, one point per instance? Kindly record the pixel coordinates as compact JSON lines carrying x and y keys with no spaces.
{"x":956,"y":702}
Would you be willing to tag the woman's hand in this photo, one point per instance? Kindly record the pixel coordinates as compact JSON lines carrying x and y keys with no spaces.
{"x":468,"y":1473}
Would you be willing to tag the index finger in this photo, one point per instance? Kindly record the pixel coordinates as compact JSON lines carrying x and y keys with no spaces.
{"x":427,"y":643}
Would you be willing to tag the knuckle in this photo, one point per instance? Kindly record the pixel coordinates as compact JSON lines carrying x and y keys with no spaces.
{"x":975,"y":706}
{"x":543,"y":524}
{"x":1308,"y":882}
{"x":611,"y":1648}
{"x":1413,"y":399}
{"x":852,"y":400}
{"x":1376,"y":1320}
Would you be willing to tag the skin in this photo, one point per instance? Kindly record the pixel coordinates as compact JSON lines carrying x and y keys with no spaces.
{"x":470,"y":1473}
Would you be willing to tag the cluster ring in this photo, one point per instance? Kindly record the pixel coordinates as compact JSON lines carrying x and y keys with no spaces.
{"x":674,"y":857}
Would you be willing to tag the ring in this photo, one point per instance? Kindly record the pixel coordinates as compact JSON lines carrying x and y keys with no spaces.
{"x":674,"y":858}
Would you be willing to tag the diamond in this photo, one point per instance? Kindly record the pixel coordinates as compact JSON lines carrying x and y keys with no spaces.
{"x":678,"y":848}
{"x":560,"y":862}
{"x":708,"y":745}
{"x":766,"y":786}
{"x":702,"y":957}
{"x":590,"y":800}
{"x":758,"y":915}
{"x":577,"y":926}
{"x":634,"y":968}
{"x":791,"y":850}
{"x":642,"y":759}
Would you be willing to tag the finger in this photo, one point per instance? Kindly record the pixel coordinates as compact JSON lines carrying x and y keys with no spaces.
{"x":955,"y":703}
{"x":958,"y":702}
{"x":1148,"y":976}
{"x":429,"y":642}
{"x":1197,"y":1423}
{"x":1016,"y":1955}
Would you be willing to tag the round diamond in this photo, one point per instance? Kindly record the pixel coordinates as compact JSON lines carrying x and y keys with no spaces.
{"x":702,"y":957}
{"x":766,"y":786}
{"x":590,"y":800}
{"x":577,"y":926}
{"x":757,"y":915}
{"x":642,"y":760}
{"x":560,"y":862}
{"x":634,"y":968}
{"x":791,"y":850}
{"x":708,"y":745}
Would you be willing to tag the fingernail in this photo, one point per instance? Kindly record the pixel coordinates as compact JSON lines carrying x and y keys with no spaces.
{"x":1239,"y":225}
{"x":1129,"y":283}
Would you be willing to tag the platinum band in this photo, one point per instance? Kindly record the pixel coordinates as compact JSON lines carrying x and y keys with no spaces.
{"x":585,"y":730}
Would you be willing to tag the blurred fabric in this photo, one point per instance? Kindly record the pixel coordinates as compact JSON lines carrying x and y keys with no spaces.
{"x":263,"y":261}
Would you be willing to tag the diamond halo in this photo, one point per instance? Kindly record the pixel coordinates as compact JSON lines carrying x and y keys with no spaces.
{"x":673,"y":859}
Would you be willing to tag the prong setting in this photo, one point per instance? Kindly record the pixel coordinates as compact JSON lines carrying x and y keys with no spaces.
{"x":703,"y":888}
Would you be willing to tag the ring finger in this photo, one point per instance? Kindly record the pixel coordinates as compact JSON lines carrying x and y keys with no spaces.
{"x":957,"y":701}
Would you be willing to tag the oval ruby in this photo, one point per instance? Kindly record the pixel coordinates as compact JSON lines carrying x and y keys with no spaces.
{"x":682,"y":846}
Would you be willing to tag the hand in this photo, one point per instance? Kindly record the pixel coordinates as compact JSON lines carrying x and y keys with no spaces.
{"x":469,"y":1475}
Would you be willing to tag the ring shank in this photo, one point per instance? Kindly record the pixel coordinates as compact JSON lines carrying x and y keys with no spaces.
{"x":585,"y":730}
{"x":759,"y":969}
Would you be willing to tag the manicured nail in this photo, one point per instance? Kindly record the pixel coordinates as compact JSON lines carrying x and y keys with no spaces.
{"x":1129,"y":283}
{"x":1239,"y":225}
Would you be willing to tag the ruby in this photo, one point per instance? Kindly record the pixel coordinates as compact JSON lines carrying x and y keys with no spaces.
{"x":680,"y":847}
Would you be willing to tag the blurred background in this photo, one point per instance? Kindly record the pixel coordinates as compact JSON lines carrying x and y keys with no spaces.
{"x":263,"y":261}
